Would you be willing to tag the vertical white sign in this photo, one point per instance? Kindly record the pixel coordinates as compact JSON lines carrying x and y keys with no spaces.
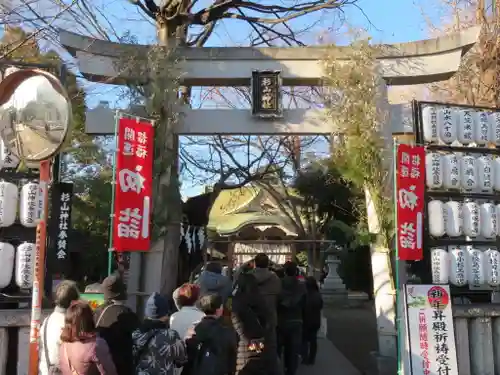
{"x":430,"y":329}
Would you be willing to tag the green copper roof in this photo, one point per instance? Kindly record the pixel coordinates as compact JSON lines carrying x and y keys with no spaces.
{"x":230,"y":201}
{"x":235,"y":208}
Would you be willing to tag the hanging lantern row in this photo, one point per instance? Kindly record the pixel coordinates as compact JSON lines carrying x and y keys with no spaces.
{"x":453,"y":171}
{"x":460,"y":126}
{"x":20,"y":261}
{"x":461,"y":266}
{"x":470,"y":219}
{"x":30,"y":203}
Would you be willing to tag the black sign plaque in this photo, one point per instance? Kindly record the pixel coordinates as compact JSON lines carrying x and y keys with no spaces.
{"x":266,"y":94}
{"x":60,"y":232}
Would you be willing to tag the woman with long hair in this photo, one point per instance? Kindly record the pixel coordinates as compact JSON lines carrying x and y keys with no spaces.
{"x":312,"y":321}
{"x":82,"y":352}
{"x":249,"y":317}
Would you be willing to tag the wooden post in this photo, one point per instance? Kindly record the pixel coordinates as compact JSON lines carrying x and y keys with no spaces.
{"x":39,"y":271}
{"x":4,"y":346}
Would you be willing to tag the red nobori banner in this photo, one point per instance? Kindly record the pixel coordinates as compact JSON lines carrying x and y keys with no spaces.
{"x":410,"y":188}
{"x":133,"y":190}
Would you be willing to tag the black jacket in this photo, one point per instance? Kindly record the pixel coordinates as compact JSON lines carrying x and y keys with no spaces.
{"x":312,"y":311}
{"x":249,"y":317}
{"x":116,"y":326}
{"x":291,"y":302}
{"x":213,"y":331}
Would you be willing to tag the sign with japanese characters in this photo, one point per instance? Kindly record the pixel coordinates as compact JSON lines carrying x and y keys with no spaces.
{"x":60,"y":234}
{"x":133,"y":190}
{"x":410,"y":187}
{"x":266,"y":94}
{"x":430,"y":329}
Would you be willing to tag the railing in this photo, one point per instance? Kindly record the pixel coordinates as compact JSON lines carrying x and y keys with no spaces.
{"x":14,"y":341}
{"x":477,"y":336}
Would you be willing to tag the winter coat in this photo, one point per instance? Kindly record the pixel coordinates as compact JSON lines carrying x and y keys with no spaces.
{"x":184,"y":319}
{"x":90,"y":357}
{"x":157,"y":350}
{"x":269,"y":289}
{"x":312,"y":311}
{"x":116,"y":326}
{"x":291,"y":301}
{"x":211,"y":282}
{"x":249,"y":316}
{"x":213,"y":332}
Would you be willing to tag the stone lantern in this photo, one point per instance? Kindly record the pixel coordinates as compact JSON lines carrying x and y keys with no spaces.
{"x":333,"y":290}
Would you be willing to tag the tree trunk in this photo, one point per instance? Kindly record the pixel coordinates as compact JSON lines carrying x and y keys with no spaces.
{"x":159,"y":266}
{"x":170,"y":187}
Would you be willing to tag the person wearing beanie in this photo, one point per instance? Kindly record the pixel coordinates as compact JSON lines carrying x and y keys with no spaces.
{"x":115,"y":323}
{"x":157,"y":349}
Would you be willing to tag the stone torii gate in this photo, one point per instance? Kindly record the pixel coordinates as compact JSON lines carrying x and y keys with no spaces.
{"x":403,"y":64}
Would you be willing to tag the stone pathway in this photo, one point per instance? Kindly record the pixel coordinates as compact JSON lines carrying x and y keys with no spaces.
{"x":329,"y":360}
{"x":353,"y":331}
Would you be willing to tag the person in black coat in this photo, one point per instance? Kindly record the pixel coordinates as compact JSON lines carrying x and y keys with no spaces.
{"x":115,"y":323}
{"x":291,"y":306}
{"x":250,"y":317}
{"x":312,"y":321}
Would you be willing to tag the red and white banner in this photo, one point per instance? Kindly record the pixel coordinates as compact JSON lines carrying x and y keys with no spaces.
{"x":133,"y":190}
{"x":410,"y":187}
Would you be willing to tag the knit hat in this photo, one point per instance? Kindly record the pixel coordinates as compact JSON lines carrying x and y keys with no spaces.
{"x":113,"y":287}
{"x":156,"y":307}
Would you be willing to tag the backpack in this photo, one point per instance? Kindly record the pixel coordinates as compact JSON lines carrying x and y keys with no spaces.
{"x":206,"y":361}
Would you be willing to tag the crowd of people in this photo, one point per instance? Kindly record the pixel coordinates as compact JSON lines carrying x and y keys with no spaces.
{"x":263,"y":321}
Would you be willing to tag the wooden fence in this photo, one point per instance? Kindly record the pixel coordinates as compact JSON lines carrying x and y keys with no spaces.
{"x":477,"y":334}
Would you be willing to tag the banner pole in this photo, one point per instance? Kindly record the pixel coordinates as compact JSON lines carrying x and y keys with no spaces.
{"x":39,"y":270}
{"x":113,"y":190}
{"x":396,"y":263}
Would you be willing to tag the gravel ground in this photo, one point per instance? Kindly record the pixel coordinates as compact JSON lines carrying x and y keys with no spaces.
{"x":353,"y":330}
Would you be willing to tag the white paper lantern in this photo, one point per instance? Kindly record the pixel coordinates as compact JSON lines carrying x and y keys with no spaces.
{"x":496,"y":173}
{"x":485,"y":173}
{"x":28,"y":213}
{"x":430,"y":124}
{"x":8,"y":203}
{"x":435,"y":213}
{"x":451,"y":171}
{"x":476,"y":267}
{"x":433,"y":170}
{"x":440,"y":265}
{"x":7,"y":158}
{"x":454,"y":219}
{"x":482,"y":134}
{"x":488,"y":215}
{"x":466,"y":125}
{"x":459,"y":260}
{"x":468,"y":172}
{"x":471,"y":219}
{"x":447,"y":124}
{"x":495,"y":127}
{"x":491,"y":267}
{"x":25,"y":261}
{"x":7,"y":256}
